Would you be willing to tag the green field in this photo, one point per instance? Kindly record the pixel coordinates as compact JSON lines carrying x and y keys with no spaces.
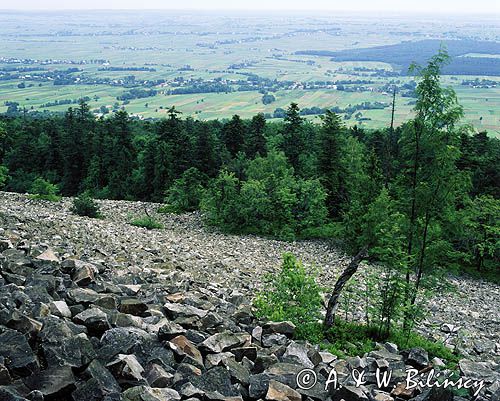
{"x":263,"y":45}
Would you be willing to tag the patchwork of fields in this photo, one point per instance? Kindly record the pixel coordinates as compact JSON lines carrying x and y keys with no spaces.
{"x":210,"y":66}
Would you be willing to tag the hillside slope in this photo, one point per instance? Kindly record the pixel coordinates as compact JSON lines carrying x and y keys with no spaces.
{"x":238,"y":262}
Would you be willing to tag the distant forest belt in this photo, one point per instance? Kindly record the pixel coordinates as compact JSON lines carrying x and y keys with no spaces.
{"x":402,"y":55}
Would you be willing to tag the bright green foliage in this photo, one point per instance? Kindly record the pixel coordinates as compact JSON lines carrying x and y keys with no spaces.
{"x":431,"y":186}
{"x":221,"y":202}
{"x":292,"y":294}
{"x":353,"y":339}
{"x":360,"y":189}
{"x":42,"y":189}
{"x":147,"y":222}
{"x":384,"y":235}
{"x":271,"y":201}
{"x":186,"y":192}
{"x":85,"y":205}
{"x":482,"y":230}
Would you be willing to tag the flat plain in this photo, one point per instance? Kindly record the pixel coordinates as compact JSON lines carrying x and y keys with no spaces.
{"x":213,"y":66}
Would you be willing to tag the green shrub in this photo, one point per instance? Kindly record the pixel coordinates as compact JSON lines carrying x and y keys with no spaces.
{"x":354,"y":339}
{"x":43,"y":189}
{"x":293,"y":295}
{"x":146,"y":222}
{"x":434,"y":348}
{"x":270,"y":201}
{"x":85,"y":205}
{"x":349,"y":339}
{"x":221,"y":203}
{"x":3,"y":176}
{"x":326,"y":231}
{"x":185,"y":193}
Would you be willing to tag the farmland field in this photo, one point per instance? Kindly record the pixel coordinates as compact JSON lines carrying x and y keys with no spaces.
{"x":210,"y":66}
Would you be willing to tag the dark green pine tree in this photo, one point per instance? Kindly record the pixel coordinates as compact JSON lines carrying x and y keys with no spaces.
{"x":330,"y":169}
{"x":163,"y":175}
{"x":205,"y":151}
{"x":293,"y":136}
{"x":233,"y":135}
{"x":120,"y":177}
{"x":256,"y":142}
{"x":75,"y":148}
{"x":146,"y":189}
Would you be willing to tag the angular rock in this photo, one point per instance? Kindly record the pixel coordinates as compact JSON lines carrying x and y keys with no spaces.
{"x":211,"y":320}
{"x":221,"y":342}
{"x":169,"y":330}
{"x":248,"y":352}
{"x":187,"y":390}
{"x":19,"y":357}
{"x":435,"y":394}
{"x":284,"y":373}
{"x":216,"y":379}
{"x":438,"y":362}
{"x":53,"y":381}
{"x":212,"y":360}
{"x":297,"y":353}
{"x":281,"y":392}
{"x":144,"y":393}
{"x":83,"y":274}
{"x":257,"y":334}
{"x":9,"y":394}
{"x":185,"y":311}
{"x":385,"y":354}
{"x":121,"y":340}
{"x":478,"y":371}
{"x":60,"y":309}
{"x":349,"y":393}
{"x":100,"y":385}
{"x":402,"y":391}
{"x":286,"y":328}
{"x":381,"y":396}
{"x":71,"y":350}
{"x":271,"y":340}
{"x":263,"y":361}
{"x":418,"y":358}
{"x":159,"y":377}
{"x":185,"y":372}
{"x":126,"y":369}
{"x":48,"y":256}
{"x":327,"y":357}
{"x":238,"y":372}
{"x":5,"y":377}
{"x":95,"y":320}
{"x":196,"y":336}
{"x":83,"y":295}
{"x":185,"y":347}
{"x":133,"y":306}
{"x":26,"y":325}
{"x":106,"y":301}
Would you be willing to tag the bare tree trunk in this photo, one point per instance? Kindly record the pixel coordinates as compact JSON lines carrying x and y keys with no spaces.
{"x":340,"y":284}
{"x":393,"y":108}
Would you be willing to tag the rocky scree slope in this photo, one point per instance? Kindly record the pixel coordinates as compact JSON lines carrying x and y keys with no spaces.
{"x":79,"y":320}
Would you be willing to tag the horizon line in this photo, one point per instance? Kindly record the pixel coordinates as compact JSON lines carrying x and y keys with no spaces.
{"x":291,"y":10}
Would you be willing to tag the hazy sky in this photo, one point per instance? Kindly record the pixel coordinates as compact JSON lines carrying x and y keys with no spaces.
{"x":455,"y":6}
